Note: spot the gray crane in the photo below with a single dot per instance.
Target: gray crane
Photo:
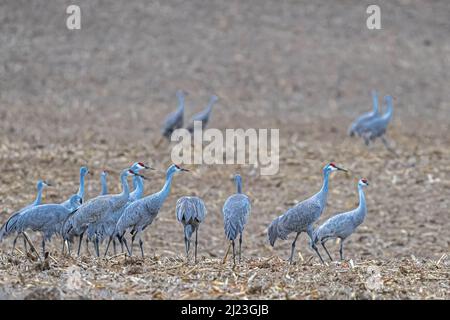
(95, 209)
(236, 212)
(174, 120)
(141, 213)
(190, 211)
(83, 172)
(358, 124)
(204, 115)
(47, 218)
(376, 128)
(302, 216)
(9, 226)
(104, 183)
(344, 224)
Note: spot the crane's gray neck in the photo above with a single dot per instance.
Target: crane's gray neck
(238, 186)
(139, 188)
(125, 188)
(210, 105)
(375, 102)
(361, 210)
(81, 187)
(166, 188)
(323, 193)
(388, 114)
(180, 102)
(104, 185)
(38, 199)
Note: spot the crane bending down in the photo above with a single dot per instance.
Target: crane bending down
(358, 124)
(47, 219)
(191, 212)
(141, 213)
(376, 128)
(343, 225)
(204, 115)
(236, 211)
(95, 209)
(302, 216)
(9, 227)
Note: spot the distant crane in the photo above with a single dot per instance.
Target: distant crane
(175, 119)
(95, 209)
(358, 124)
(303, 215)
(46, 218)
(141, 213)
(343, 225)
(10, 225)
(104, 183)
(191, 212)
(376, 128)
(83, 172)
(204, 115)
(236, 211)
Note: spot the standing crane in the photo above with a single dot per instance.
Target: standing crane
(358, 124)
(236, 211)
(190, 211)
(95, 209)
(303, 215)
(104, 183)
(83, 172)
(344, 224)
(175, 119)
(47, 218)
(141, 213)
(204, 115)
(9, 226)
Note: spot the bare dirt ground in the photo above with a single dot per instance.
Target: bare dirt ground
(97, 97)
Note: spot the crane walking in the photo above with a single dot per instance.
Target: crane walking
(303, 215)
(357, 125)
(204, 115)
(191, 212)
(141, 213)
(236, 211)
(344, 224)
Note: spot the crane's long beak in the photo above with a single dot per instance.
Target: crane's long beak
(183, 169)
(48, 184)
(140, 175)
(341, 169)
(149, 168)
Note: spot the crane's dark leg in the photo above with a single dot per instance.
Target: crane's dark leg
(107, 246)
(97, 248)
(121, 244)
(14, 243)
(132, 242)
(293, 248)
(341, 249)
(310, 233)
(323, 245)
(240, 247)
(388, 147)
(234, 252)
(141, 245)
(63, 247)
(87, 246)
(126, 245)
(79, 243)
(186, 246)
(114, 246)
(195, 254)
(43, 246)
(25, 245)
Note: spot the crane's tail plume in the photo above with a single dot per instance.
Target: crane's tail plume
(272, 232)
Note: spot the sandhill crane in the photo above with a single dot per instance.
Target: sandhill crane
(303, 215)
(190, 211)
(47, 218)
(357, 125)
(83, 172)
(236, 211)
(376, 128)
(174, 120)
(203, 116)
(9, 226)
(141, 213)
(343, 225)
(95, 209)
(104, 183)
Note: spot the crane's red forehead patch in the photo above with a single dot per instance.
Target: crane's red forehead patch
(364, 180)
(177, 166)
(332, 164)
(141, 164)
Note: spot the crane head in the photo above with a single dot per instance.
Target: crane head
(138, 166)
(333, 167)
(84, 171)
(363, 182)
(131, 172)
(178, 168)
